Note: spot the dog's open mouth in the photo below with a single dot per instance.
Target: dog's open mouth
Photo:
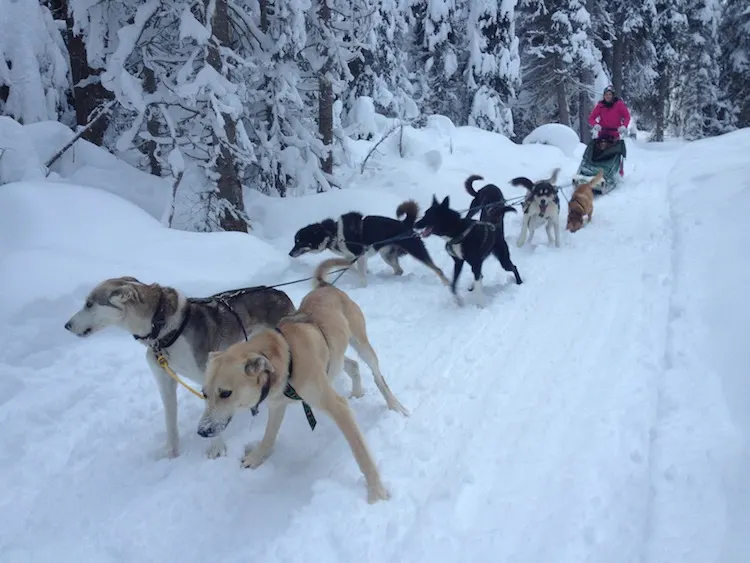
(86, 332)
(427, 231)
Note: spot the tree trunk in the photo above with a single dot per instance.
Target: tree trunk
(92, 95)
(662, 97)
(618, 57)
(152, 124)
(325, 102)
(563, 112)
(229, 186)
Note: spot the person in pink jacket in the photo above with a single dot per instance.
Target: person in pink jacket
(610, 115)
(610, 118)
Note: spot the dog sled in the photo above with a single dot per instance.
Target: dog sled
(606, 154)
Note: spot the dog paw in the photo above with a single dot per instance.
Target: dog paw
(216, 450)
(377, 492)
(254, 458)
(356, 394)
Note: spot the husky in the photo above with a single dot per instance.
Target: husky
(297, 360)
(183, 329)
(540, 207)
(356, 236)
(489, 199)
(468, 241)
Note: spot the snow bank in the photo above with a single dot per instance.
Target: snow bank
(557, 135)
(701, 475)
(86, 164)
(19, 159)
(59, 238)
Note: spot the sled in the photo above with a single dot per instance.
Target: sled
(604, 154)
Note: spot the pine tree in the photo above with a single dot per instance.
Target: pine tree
(440, 36)
(698, 109)
(735, 56)
(557, 45)
(494, 65)
(669, 34)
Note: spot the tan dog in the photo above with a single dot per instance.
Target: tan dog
(582, 203)
(305, 351)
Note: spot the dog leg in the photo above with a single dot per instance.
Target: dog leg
(338, 409)
(481, 301)
(524, 232)
(362, 269)
(351, 367)
(254, 458)
(503, 256)
(458, 265)
(391, 258)
(418, 250)
(553, 226)
(362, 345)
(168, 392)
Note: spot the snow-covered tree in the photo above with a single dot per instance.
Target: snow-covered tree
(735, 56)
(380, 69)
(494, 64)
(34, 72)
(556, 47)
(699, 108)
(440, 35)
(669, 34)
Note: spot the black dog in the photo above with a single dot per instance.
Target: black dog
(489, 199)
(356, 236)
(467, 241)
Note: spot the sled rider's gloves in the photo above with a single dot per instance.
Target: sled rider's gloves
(622, 130)
(596, 130)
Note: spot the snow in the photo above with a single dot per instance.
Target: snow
(557, 135)
(83, 164)
(595, 413)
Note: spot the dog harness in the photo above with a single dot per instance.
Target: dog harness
(456, 241)
(289, 391)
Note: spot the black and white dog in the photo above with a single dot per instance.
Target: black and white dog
(540, 207)
(467, 241)
(355, 235)
(489, 200)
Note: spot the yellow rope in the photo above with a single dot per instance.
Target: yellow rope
(165, 366)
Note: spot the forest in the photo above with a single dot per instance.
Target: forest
(222, 95)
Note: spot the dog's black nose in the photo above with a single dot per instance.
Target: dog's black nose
(205, 432)
(67, 325)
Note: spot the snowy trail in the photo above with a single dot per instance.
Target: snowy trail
(541, 427)
(548, 419)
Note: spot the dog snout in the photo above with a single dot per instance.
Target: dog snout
(68, 326)
(206, 432)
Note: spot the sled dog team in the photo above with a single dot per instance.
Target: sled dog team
(252, 346)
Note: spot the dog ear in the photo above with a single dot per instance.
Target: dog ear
(522, 181)
(446, 202)
(213, 355)
(553, 179)
(434, 200)
(125, 294)
(256, 364)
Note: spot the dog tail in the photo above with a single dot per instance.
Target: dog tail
(468, 184)
(409, 208)
(319, 277)
(522, 181)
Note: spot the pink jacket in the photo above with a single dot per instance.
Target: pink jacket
(610, 118)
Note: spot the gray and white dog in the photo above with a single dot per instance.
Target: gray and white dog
(541, 206)
(184, 329)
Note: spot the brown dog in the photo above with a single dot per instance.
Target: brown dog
(582, 203)
(306, 351)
